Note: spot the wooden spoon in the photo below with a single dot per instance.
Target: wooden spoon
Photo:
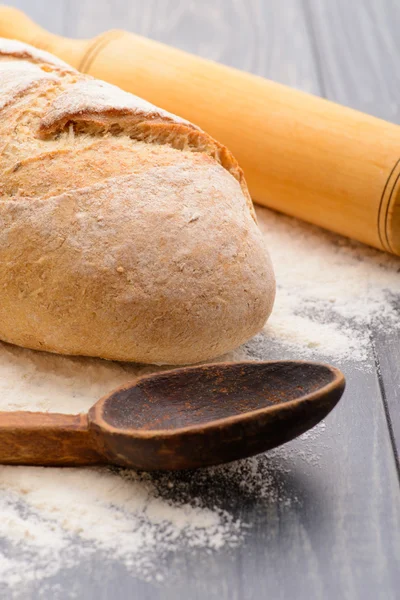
(181, 419)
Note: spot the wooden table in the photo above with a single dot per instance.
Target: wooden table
(342, 538)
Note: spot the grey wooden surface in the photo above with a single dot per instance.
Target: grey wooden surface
(342, 539)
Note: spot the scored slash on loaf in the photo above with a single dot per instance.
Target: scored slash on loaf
(125, 232)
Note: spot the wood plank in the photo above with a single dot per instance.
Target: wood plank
(252, 35)
(387, 351)
(357, 49)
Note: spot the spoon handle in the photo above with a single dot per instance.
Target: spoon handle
(34, 438)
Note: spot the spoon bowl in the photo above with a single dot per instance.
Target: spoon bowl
(211, 414)
(181, 419)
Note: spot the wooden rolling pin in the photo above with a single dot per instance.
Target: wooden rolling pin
(302, 155)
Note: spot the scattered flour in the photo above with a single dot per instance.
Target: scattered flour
(331, 292)
(119, 514)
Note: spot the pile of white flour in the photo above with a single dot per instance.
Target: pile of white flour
(331, 292)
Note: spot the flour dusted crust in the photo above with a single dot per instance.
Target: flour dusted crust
(19, 50)
(16, 79)
(125, 232)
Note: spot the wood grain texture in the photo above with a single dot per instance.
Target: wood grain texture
(329, 526)
(387, 356)
(257, 36)
(34, 438)
(224, 411)
(357, 49)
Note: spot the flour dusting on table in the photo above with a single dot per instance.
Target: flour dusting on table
(331, 291)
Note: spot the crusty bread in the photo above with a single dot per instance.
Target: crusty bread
(125, 231)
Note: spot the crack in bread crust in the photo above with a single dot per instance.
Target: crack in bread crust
(96, 108)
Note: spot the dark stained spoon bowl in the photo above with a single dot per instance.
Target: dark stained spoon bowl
(182, 419)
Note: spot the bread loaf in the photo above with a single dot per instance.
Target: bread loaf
(126, 232)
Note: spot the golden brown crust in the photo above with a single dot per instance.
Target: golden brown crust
(125, 232)
(17, 79)
(99, 107)
(54, 172)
